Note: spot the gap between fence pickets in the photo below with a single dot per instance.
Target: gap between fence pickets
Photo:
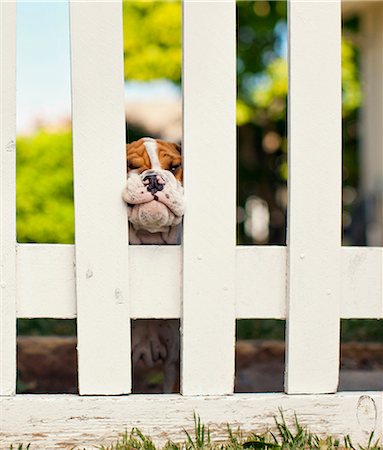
(46, 281)
(61, 421)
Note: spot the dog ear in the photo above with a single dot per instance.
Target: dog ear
(178, 148)
(128, 146)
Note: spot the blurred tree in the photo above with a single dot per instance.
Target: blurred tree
(152, 50)
(262, 76)
(152, 40)
(44, 191)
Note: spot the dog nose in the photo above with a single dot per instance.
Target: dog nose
(153, 183)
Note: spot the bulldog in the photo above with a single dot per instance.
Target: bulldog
(154, 197)
(154, 192)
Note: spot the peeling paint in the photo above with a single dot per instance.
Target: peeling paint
(118, 296)
(89, 273)
(366, 413)
(10, 147)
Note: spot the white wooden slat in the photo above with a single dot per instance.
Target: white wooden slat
(362, 283)
(260, 282)
(100, 214)
(7, 198)
(46, 288)
(314, 225)
(88, 422)
(155, 281)
(209, 94)
(46, 281)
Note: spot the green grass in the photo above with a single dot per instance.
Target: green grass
(296, 437)
(286, 438)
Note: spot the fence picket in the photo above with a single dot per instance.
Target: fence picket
(101, 217)
(208, 321)
(314, 268)
(8, 198)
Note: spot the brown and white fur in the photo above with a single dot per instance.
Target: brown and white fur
(154, 191)
(154, 195)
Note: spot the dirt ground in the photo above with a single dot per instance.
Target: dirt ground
(49, 365)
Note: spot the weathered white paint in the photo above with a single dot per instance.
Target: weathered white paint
(362, 283)
(209, 95)
(46, 282)
(314, 212)
(63, 421)
(155, 281)
(371, 151)
(7, 198)
(260, 282)
(99, 177)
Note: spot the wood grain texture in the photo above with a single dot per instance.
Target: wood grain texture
(101, 234)
(63, 421)
(314, 185)
(209, 94)
(7, 198)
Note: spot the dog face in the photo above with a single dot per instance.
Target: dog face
(154, 191)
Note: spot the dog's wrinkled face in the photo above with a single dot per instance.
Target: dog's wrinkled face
(154, 192)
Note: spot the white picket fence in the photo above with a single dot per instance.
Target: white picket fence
(208, 282)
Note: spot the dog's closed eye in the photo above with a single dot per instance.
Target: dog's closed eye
(175, 167)
(132, 166)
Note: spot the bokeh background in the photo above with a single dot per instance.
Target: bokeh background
(153, 98)
(152, 61)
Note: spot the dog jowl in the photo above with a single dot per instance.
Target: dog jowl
(154, 196)
(154, 192)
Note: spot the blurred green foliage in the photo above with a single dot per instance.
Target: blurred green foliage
(46, 327)
(152, 40)
(44, 191)
(262, 70)
(152, 49)
(261, 329)
(262, 79)
(360, 330)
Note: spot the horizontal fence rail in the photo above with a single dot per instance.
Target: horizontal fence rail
(46, 285)
(76, 421)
